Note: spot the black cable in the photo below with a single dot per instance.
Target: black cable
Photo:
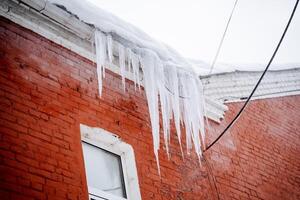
(263, 74)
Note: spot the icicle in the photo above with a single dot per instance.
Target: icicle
(184, 101)
(206, 122)
(201, 112)
(134, 65)
(128, 58)
(148, 62)
(109, 42)
(185, 112)
(174, 101)
(193, 111)
(137, 70)
(179, 92)
(100, 45)
(164, 100)
(122, 64)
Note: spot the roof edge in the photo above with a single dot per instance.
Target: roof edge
(65, 29)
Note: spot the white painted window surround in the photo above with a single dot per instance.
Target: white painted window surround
(110, 142)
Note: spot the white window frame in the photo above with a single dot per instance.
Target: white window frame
(112, 143)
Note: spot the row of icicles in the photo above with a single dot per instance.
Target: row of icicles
(179, 91)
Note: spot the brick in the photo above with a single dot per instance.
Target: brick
(39, 135)
(12, 188)
(23, 182)
(13, 126)
(27, 161)
(40, 172)
(46, 91)
(47, 167)
(15, 164)
(21, 197)
(5, 195)
(7, 154)
(37, 186)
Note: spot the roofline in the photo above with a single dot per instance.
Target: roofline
(246, 71)
(61, 27)
(236, 86)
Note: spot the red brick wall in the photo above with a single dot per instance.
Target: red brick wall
(259, 157)
(46, 91)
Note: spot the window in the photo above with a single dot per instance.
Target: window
(109, 165)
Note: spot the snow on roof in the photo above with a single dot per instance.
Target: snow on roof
(135, 38)
(202, 68)
(130, 35)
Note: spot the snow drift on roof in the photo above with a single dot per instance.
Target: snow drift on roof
(131, 35)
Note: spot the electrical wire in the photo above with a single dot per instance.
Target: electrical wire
(261, 77)
(219, 48)
(222, 39)
(211, 173)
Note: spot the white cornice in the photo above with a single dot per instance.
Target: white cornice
(236, 86)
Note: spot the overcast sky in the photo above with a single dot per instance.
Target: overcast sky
(194, 27)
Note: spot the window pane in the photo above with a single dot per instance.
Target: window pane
(104, 170)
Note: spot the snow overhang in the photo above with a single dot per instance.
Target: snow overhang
(64, 28)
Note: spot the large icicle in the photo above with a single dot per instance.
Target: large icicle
(149, 68)
(100, 45)
(173, 88)
(176, 90)
(180, 95)
(192, 110)
(164, 103)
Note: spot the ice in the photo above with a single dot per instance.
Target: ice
(171, 85)
(174, 99)
(180, 95)
(148, 62)
(100, 45)
(121, 50)
(164, 103)
(136, 69)
(133, 66)
(109, 48)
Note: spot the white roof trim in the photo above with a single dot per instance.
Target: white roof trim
(237, 86)
(65, 29)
